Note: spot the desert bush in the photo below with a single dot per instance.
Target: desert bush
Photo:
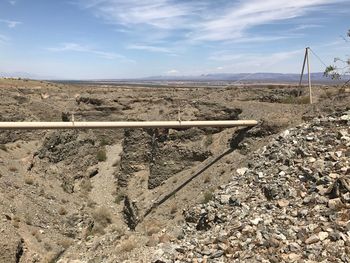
(152, 227)
(13, 169)
(47, 246)
(164, 238)
(119, 197)
(29, 180)
(104, 141)
(208, 140)
(173, 208)
(36, 234)
(65, 243)
(102, 155)
(62, 211)
(15, 224)
(3, 147)
(128, 244)
(207, 179)
(85, 185)
(207, 196)
(28, 219)
(102, 216)
(327, 94)
(295, 100)
(51, 257)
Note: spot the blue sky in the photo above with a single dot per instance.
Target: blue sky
(89, 39)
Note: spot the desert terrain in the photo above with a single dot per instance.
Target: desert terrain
(277, 192)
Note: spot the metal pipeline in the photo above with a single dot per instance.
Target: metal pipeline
(119, 125)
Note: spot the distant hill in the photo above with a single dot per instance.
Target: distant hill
(244, 77)
(225, 77)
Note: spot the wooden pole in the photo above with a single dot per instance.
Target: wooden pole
(302, 70)
(120, 125)
(309, 74)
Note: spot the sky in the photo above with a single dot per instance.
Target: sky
(103, 39)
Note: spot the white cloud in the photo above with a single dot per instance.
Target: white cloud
(10, 23)
(150, 48)
(238, 19)
(12, 2)
(85, 49)
(250, 62)
(202, 20)
(164, 14)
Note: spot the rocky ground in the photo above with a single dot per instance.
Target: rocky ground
(294, 206)
(276, 192)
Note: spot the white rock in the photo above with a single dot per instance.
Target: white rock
(322, 235)
(256, 221)
(242, 171)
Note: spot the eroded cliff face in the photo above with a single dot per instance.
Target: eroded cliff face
(83, 195)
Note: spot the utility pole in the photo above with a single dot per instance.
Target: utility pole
(309, 74)
(306, 60)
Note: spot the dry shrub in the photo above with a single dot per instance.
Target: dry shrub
(173, 208)
(128, 245)
(102, 216)
(36, 234)
(13, 169)
(164, 238)
(28, 219)
(209, 140)
(85, 185)
(101, 155)
(152, 227)
(207, 179)
(65, 243)
(207, 196)
(29, 180)
(295, 100)
(15, 224)
(62, 211)
(3, 147)
(51, 257)
(119, 197)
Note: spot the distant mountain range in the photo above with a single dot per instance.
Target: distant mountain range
(245, 77)
(227, 77)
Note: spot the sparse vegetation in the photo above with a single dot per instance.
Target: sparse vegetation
(62, 211)
(28, 219)
(102, 216)
(340, 67)
(152, 227)
(3, 147)
(128, 245)
(37, 235)
(29, 180)
(65, 243)
(102, 155)
(295, 100)
(85, 185)
(207, 196)
(173, 208)
(119, 197)
(104, 141)
(13, 169)
(207, 179)
(209, 140)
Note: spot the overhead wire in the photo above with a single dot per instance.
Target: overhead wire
(318, 57)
